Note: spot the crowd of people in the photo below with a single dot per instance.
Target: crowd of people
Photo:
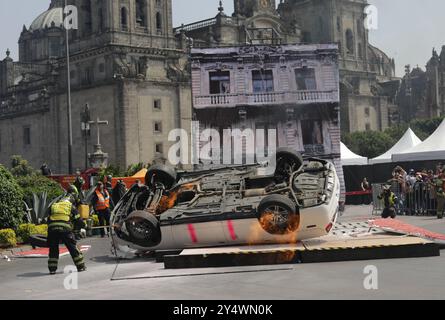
(417, 192)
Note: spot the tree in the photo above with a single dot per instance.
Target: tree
(21, 167)
(11, 197)
(396, 132)
(38, 184)
(424, 128)
(369, 144)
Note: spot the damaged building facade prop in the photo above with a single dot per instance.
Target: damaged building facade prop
(290, 89)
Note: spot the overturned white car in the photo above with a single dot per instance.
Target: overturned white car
(229, 206)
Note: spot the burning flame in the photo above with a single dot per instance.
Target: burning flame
(267, 224)
(169, 201)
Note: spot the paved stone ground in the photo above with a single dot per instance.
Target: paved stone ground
(399, 278)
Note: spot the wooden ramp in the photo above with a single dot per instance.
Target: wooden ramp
(328, 249)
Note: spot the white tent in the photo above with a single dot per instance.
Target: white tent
(349, 158)
(408, 141)
(432, 148)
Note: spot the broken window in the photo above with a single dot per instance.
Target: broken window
(157, 104)
(262, 81)
(159, 148)
(312, 132)
(219, 82)
(305, 78)
(140, 13)
(158, 127)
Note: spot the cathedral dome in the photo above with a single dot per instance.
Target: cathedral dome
(47, 18)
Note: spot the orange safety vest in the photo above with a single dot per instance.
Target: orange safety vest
(102, 202)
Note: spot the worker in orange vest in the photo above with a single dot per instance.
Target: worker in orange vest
(101, 203)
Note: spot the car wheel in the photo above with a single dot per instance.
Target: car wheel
(278, 214)
(144, 229)
(38, 241)
(161, 174)
(287, 162)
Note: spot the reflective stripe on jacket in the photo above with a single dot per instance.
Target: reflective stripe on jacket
(103, 202)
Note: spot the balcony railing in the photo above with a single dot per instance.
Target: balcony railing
(265, 98)
(196, 25)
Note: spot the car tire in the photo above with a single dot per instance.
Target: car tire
(279, 215)
(144, 229)
(38, 241)
(161, 174)
(287, 161)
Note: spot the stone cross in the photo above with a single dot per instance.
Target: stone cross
(97, 123)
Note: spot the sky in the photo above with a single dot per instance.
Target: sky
(407, 29)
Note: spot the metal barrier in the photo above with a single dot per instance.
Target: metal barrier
(418, 199)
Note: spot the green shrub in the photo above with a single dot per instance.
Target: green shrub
(42, 229)
(24, 231)
(7, 238)
(21, 167)
(38, 184)
(95, 219)
(11, 205)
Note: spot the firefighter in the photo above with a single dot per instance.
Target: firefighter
(102, 203)
(60, 229)
(389, 200)
(79, 182)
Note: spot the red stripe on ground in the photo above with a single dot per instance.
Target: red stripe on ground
(231, 230)
(404, 228)
(192, 233)
(44, 252)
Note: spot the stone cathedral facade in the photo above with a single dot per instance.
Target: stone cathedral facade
(132, 67)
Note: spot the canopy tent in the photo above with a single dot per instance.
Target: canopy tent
(408, 141)
(140, 174)
(349, 158)
(432, 148)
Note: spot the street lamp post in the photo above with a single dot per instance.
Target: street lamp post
(86, 130)
(68, 83)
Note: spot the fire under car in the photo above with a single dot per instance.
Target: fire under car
(228, 206)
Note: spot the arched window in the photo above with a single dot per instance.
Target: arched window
(100, 17)
(124, 18)
(349, 42)
(158, 21)
(140, 13)
(88, 14)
